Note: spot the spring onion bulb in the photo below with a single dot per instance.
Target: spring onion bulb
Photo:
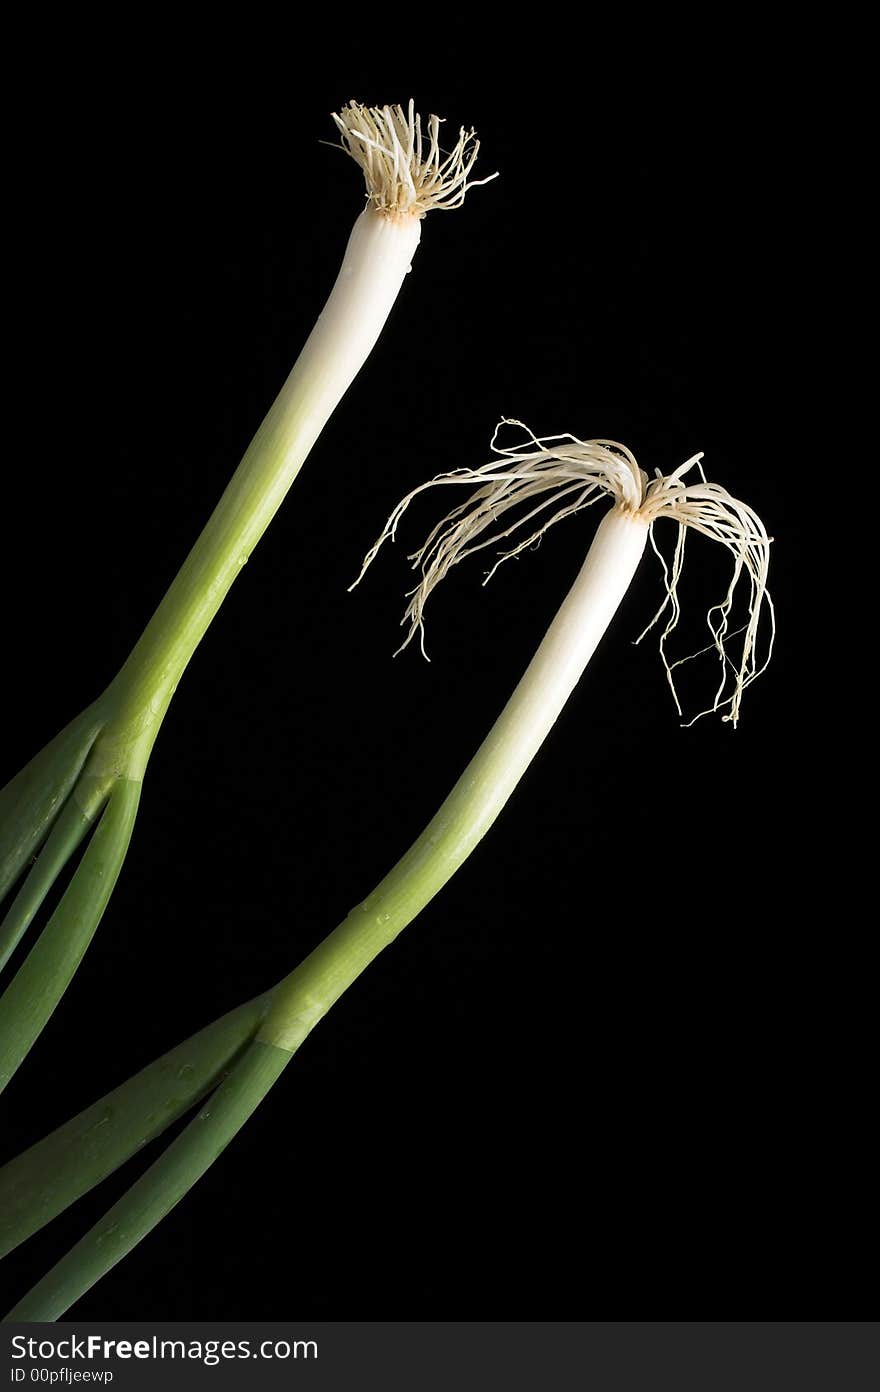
(519, 494)
(88, 780)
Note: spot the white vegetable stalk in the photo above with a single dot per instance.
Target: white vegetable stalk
(406, 176)
(520, 494)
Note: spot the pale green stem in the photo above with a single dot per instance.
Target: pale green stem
(478, 796)
(376, 260)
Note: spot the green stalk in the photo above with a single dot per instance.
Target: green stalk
(45, 1179)
(376, 261)
(43, 977)
(32, 800)
(158, 1190)
(478, 796)
(66, 835)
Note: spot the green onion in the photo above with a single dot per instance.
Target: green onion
(41, 1182)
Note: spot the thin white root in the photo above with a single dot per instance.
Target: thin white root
(573, 473)
(406, 173)
(541, 481)
(710, 509)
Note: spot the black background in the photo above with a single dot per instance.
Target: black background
(608, 1070)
